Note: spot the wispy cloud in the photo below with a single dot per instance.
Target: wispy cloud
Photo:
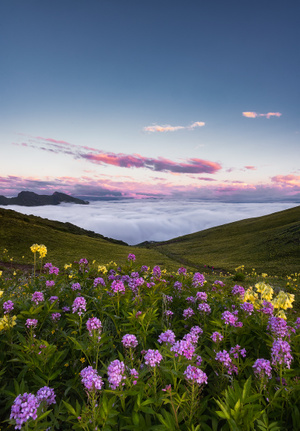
(255, 114)
(287, 180)
(160, 164)
(251, 168)
(168, 128)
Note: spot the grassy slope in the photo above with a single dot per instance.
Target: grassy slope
(66, 242)
(269, 244)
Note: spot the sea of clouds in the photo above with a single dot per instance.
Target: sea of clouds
(135, 221)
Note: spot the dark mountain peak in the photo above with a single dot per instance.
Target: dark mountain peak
(30, 199)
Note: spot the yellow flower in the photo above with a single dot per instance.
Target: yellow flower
(1, 273)
(264, 275)
(42, 251)
(68, 265)
(283, 300)
(7, 322)
(34, 248)
(82, 360)
(102, 268)
(281, 314)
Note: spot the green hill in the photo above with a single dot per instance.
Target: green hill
(269, 244)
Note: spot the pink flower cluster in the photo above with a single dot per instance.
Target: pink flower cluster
(79, 305)
(115, 372)
(37, 297)
(153, 357)
(94, 326)
(91, 380)
(129, 340)
(195, 375)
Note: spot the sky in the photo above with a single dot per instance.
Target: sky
(151, 99)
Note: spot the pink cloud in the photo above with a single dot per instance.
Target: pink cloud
(168, 128)
(255, 114)
(287, 180)
(251, 168)
(190, 166)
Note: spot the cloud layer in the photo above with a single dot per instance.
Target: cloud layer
(135, 221)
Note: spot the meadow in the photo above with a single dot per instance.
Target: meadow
(95, 345)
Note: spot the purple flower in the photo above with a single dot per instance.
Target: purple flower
(46, 395)
(229, 318)
(297, 323)
(238, 290)
(281, 353)
(195, 375)
(31, 323)
(178, 286)
(247, 307)
(55, 316)
(131, 257)
(54, 270)
(198, 279)
(115, 371)
(79, 305)
(156, 271)
(236, 351)
(94, 325)
(37, 297)
(53, 299)
(182, 271)
(167, 337)
(187, 313)
(129, 340)
(216, 337)
(278, 327)
(8, 306)
(66, 309)
(268, 308)
(83, 261)
(191, 299)
(204, 308)
(118, 286)
(76, 286)
(144, 268)
(226, 361)
(91, 380)
(50, 283)
(262, 368)
(201, 296)
(153, 357)
(99, 280)
(24, 407)
(184, 348)
(168, 313)
(218, 282)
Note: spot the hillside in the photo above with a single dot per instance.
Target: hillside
(269, 244)
(65, 242)
(30, 199)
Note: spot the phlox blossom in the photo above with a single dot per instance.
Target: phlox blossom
(195, 375)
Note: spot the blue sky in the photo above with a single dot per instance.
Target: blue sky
(162, 98)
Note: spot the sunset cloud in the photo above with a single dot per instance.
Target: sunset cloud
(255, 114)
(288, 180)
(168, 128)
(160, 164)
(251, 168)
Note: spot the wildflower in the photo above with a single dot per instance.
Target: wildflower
(195, 375)
(131, 257)
(178, 286)
(83, 261)
(42, 251)
(99, 280)
(247, 307)
(268, 308)
(50, 283)
(34, 248)
(236, 351)
(216, 337)
(167, 337)
(198, 279)
(79, 305)
(66, 309)
(144, 268)
(7, 322)
(76, 286)
(184, 348)
(281, 353)
(37, 297)
(201, 296)
(55, 317)
(204, 308)
(229, 318)
(168, 313)
(278, 327)
(284, 300)
(219, 282)
(238, 290)
(153, 357)
(47, 395)
(187, 313)
(265, 290)
(115, 371)
(191, 299)
(94, 326)
(31, 323)
(262, 368)
(297, 323)
(118, 286)
(24, 407)
(181, 271)
(8, 306)
(53, 299)
(226, 361)
(54, 270)
(129, 340)
(91, 380)
(156, 271)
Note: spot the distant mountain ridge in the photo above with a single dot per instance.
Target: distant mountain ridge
(31, 199)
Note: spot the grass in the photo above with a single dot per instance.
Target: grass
(269, 244)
